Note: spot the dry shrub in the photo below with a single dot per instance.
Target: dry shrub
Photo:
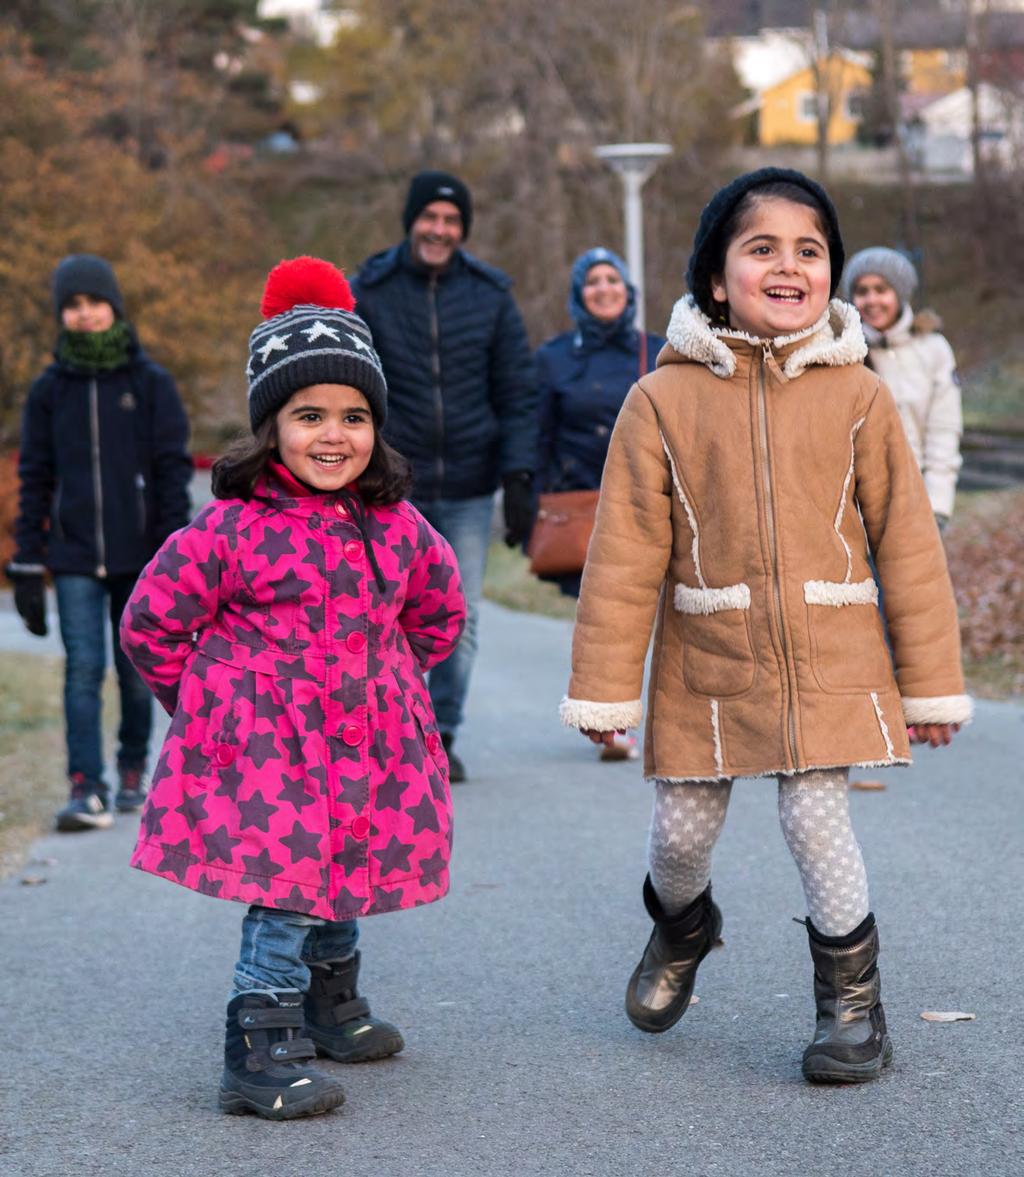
(8, 505)
(985, 549)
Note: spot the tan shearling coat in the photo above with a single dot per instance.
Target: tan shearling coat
(731, 510)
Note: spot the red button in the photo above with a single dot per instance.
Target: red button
(360, 828)
(353, 550)
(356, 643)
(341, 509)
(352, 735)
(433, 743)
(224, 755)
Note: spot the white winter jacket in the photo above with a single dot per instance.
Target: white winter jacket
(918, 365)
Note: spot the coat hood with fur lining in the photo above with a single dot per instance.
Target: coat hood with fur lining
(837, 338)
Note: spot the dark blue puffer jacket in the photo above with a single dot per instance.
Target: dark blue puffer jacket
(582, 388)
(462, 399)
(104, 468)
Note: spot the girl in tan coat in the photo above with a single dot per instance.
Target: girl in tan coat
(747, 479)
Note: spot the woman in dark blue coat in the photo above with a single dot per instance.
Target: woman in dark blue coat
(584, 375)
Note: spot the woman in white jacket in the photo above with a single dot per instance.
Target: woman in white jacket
(916, 363)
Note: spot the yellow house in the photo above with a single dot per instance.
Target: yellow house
(788, 110)
(933, 71)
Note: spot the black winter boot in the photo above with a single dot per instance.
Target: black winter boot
(338, 1020)
(851, 1044)
(660, 988)
(264, 1060)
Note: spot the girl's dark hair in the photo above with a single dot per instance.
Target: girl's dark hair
(733, 224)
(386, 479)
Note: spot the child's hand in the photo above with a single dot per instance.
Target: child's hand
(936, 734)
(606, 738)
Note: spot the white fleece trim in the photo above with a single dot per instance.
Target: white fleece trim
(938, 709)
(657, 778)
(837, 338)
(842, 499)
(705, 601)
(883, 725)
(600, 717)
(716, 731)
(690, 517)
(832, 592)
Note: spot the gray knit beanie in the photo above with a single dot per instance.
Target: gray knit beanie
(894, 267)
(311, 336)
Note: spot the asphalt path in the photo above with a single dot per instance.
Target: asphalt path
(519, 1059)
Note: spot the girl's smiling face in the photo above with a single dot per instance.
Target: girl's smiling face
(878, 303)
(325, 435)
(777, 276)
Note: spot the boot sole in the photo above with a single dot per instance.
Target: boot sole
(823, 1069)
(236, 1103)
(78, 823)
(383, 1047)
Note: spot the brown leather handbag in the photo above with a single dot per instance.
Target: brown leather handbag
(561, 534)
(565, 518)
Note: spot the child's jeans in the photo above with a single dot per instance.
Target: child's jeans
(279, 946)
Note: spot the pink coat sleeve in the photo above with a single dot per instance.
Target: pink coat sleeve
(178, 593)
(435, 608)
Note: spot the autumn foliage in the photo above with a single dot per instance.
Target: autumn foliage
(985, 549)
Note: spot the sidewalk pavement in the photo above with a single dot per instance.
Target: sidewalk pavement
(520, 1060)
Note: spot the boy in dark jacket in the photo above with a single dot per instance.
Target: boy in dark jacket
(104, 473)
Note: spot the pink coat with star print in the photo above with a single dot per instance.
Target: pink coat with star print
(303, 768)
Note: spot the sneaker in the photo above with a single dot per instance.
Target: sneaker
(131, 791)
(88, 807)
(621, 748)
(456, 769)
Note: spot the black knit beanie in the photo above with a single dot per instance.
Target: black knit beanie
(311, 335)
(709, 249)
(426, 187)
(85, 273)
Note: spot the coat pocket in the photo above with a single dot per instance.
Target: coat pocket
(848, 650)
(718, 656)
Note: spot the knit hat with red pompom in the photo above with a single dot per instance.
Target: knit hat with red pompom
(311, 335)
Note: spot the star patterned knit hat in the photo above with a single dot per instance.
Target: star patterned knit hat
(311, 335)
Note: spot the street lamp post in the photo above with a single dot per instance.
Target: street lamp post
(635, 164)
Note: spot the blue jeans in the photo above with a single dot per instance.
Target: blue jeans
(466, 525)
(82, 602)
(279, 946)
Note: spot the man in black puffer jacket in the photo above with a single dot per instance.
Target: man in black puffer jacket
(104, 475)
(462, 399)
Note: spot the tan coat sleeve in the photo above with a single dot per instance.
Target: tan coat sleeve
(917, 594)
(626, 566)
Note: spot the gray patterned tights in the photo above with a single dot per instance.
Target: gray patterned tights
(815, 817)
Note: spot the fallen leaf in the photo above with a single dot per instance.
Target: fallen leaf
(952, 1015)
(694, 999)
(32, 880)
(868, 786)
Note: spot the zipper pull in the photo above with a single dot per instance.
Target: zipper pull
(771, 363)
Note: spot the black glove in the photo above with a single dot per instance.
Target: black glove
(30, 600)
(519, 506)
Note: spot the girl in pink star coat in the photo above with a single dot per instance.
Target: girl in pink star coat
(287, 630)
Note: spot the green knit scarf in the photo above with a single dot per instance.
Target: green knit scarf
(96, 351)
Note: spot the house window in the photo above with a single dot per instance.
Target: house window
(853, 107)
(807, 107)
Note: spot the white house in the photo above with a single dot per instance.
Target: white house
(940, 135)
